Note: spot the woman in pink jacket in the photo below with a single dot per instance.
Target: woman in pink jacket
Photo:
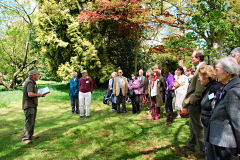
(134, 87)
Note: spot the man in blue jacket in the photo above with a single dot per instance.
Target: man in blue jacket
(73, 93)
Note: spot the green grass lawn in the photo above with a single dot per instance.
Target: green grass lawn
(105, 135)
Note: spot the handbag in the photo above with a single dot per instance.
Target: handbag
(144, 101)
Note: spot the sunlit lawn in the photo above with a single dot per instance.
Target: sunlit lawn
(105, 135)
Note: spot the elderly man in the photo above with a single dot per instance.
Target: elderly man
(141, 77)
(192, 102)
(85, 93)
(73, 93)
(29, 106)
(120, 89)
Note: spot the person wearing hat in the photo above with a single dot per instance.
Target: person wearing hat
(85, 93)
(29, 106)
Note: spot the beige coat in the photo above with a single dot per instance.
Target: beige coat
(116, 86)
(195, 90)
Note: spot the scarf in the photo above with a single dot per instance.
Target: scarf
(154, 79)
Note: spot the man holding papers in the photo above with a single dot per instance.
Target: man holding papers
(29, 106)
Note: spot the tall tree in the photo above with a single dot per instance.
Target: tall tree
(17, 38)
(211, 21)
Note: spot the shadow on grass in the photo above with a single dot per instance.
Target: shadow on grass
(83, 130)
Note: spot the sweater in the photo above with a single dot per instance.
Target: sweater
(85, 85)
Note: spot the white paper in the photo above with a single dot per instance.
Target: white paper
(44, 90)
(211, 96)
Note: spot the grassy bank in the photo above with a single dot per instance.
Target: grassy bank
(105, 135)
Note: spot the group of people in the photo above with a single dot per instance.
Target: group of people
(212, 101)
(211, 95)
(154, 89)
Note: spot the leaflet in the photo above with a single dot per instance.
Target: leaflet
(44, 90)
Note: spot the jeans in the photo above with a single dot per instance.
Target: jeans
(85, 98)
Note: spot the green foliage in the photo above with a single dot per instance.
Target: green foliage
(162, 60)
(16, 61)
(70, 46)
(212, 21)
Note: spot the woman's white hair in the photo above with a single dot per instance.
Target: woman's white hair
(236, 51)
(229, 65)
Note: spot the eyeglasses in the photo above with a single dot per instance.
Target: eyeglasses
(119, 72)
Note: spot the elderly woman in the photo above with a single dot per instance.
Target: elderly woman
(207, 77)
(110, 87)
(224, 126)
(157, 86)
(134, 85)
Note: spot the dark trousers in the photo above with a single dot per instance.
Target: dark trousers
(75, 104)
(149, 102)
(135, 103)
(208, 152)
(196, 128)
(114, 106)
(28, 131)
(140, 101)
(222, 153)
(168, 101)
(121, 99)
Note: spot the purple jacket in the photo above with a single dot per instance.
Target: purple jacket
(169, 81)
(135, 85)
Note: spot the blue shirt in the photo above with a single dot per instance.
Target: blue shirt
(120, 81)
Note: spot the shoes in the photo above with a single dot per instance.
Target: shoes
(87, 116)
(81, 117)
(198, 155)
(178, 117)
(189, 148)
(27, 141)
(34, 137)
